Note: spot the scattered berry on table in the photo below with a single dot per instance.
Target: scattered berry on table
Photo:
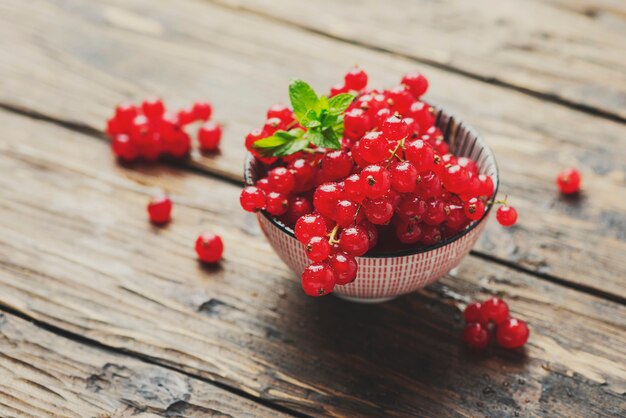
(209, 247)
(568, 181)
(494, 310)
(512, 333)
(160, 209)
(493, 314)
(506, 215)
(209, 136)
(476, 336)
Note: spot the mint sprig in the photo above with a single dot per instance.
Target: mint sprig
(321, 116)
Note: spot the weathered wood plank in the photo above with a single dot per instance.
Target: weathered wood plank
(45, 375)
(76, 251)
(118, 50)
(571, 52)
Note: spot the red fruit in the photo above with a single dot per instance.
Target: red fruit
(411, 208)
(473, 312)
(408, 232)
(160, 209)
(123, 148)
(356, 79)
(495, 310)
(336, 165)
(263, 184)
(272, 125)
(421, 154)
(151, 146)
(209, 136)
(378, 211)
(276, 203)
(512, 333)
(420, 111)
(337, 89)
(281, 180)
(318, 279)
(186, 116)
(568, 181)
(354, 189)
(344, 266)
(476, 336)
(280, 111)
(430, 185)
(373, 148)
(113, 127)
(317, 248)
(298, 207)
(416, 83)
(399, 99)
(304, 174)
(474, 208)
(325, 198)
(376, 181)
(209, 247)
(431, 235)
(435, 213)
(140, 130)
(153, 108)
(381, 116)
(202, 110)
(169, 126)
(124, 115)
(468, 164)
(346, 213)
(178, 145)
(455, 178)
(309, 226)
(354, 240)
(372, 233)
(455, 218)
(486, 187)
(394, 128)
(403, 177)
(506, 215)
(355, 123)
(252, 199)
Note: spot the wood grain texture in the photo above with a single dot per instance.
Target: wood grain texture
(570, 52)
(76, 251)
(45, 375)
(116, 50)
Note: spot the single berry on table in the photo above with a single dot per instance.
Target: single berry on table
(209, 247)
(568, 181)
(209, 136)
(202, 110)
(494, 310)
(476, 336)
(506, 215)
(160, 209)
(512, 333)
(473, 312)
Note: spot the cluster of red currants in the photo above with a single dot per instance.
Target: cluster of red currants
(149, 132)
(393, 177)
(479, 317)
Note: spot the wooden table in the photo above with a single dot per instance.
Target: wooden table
(102, 314)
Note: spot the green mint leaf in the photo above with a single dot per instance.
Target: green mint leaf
(290, 148)
(303, 100)
(339, 103)
(270, 142)
(324, 105)
(313, 124)
(324, 139)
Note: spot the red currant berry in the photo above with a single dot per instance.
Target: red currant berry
(354, 189)
(344, 266)
(378, 211)
(280, 111)
(430, 185)
(336, 165)
(140, 130)
(468, 164)
(263, 184)
(123, 148)
(506, 215)
(373, 148)
(272, 125)
(372, 233)
(399, 100)
(435, 213)
(568, 181)
(209, 247)
(355, 123)
(337, 89)
(455, 178)
(346, 213)
(473, 312)
(113, 127)
(403, 176)
(486, 187)
(476, 336)
(495, 310)
(151, 146)
(408, 232)
(421, 154)
(394, 128)
(281, 180)
(252, 199)
(354, 241)
(209, 136)
(169, 126)
(160, 209)
(512, 333)
(411, 208)
(178, 145)
(431, 235)
(276, 203)
(325, 198)
(422, 114)
(304, 174)
(381, 116)
(298, 206)
(202, 110)
(356, 79)
(309, 226)
(186, 116)
(318, 279)
(317, 249)
(376, 181)
(474, 209)
(153, 108)
(124, 115)
(416, 83)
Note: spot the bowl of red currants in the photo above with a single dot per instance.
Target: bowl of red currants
(368, 194)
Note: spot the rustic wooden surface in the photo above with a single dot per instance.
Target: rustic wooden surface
(118, 307)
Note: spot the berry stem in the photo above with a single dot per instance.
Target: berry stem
(332, 235)
(393, 153)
